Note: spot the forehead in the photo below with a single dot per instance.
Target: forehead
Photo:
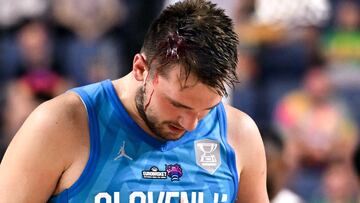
(190, 92)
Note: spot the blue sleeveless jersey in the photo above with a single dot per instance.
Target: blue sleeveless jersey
(127, 165)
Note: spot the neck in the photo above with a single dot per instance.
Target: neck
(126, 88)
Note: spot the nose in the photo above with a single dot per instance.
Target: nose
(189, 121)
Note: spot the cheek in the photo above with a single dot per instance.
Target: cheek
(164, 109)
(203, 114)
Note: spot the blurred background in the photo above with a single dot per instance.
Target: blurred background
(299, 67)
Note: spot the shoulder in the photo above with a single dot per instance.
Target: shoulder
(65, 113)
(243, 135)
(55, 128)
(51, 142)
(239, 121)
(62, 119)
(55, 124)
(241, 127)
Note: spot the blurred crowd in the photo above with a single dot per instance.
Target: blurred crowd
(299, 71)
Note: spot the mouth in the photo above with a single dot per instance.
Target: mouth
(176, 129)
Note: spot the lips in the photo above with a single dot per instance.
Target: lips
(175, 128)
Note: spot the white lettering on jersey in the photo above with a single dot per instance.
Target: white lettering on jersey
(184, 197)
(135, 195)
(103, 195)
(224, 198)
(193, 197)
(161, 197)
(107, 197)
(164, 197)
(170, 195)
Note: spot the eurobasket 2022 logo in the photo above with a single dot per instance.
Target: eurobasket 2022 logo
(173, 171)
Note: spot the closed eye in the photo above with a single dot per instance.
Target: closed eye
(178, 105)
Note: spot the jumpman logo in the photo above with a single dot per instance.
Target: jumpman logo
(122, 153)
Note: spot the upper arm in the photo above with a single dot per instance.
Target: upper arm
(245, 138)
(38, 155)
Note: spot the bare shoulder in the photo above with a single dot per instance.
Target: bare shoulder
(243, 135)
(51, 140)
(241, 127)
(58, 119)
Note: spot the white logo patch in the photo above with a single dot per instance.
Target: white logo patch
(207, 154)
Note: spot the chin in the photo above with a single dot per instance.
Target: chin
(171, 136)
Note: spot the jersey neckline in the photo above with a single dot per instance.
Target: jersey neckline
(133, 126)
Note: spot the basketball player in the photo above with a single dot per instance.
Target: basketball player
(159, 134)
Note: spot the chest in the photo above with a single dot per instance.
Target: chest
(196, 171)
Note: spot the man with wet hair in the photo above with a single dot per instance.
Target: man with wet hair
(158, 134)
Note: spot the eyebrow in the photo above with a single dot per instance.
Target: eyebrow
(178, 104)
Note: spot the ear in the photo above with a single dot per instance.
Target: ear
(140, 68)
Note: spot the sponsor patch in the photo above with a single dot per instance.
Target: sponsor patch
(173, 171)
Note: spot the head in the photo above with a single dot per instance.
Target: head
(338, 183)
(317, 83)
(348, 15)
(188, 57)
(34, 43)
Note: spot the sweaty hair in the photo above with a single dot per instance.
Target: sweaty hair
(199, 37)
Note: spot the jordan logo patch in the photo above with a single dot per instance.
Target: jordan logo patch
(122, 153)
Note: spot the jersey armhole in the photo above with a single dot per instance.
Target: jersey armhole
(231, 160)
(65, 195)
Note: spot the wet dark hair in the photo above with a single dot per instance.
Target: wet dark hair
(199, 37)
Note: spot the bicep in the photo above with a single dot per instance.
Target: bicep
(245, 138)
(252, 181)
(31, 168)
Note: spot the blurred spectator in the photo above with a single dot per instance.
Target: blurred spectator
(87, 50)
(34, 47)
(29, 49)
(12, 12)
(89, 19)
(36, 59)
(36, 81)
(338, 185)
(8, 58)
(317, 128)
(21, 99)
(280, 36)
(292, 13)
(97, 39)
(85, 41)
(246, 93)
(277, 170)
(133, 30)
(23, 95)
(341, 42)
(342, 45)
